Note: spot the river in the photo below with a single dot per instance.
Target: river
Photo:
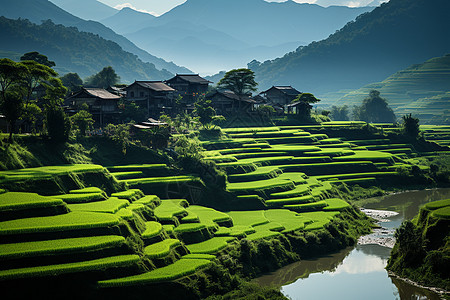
(358, 272)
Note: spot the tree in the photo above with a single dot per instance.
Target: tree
(240, 81)
(205, 112)
(410, 126)
(265, 112)
(39, 58)
(12, 108)
(58, 124)
(374, 109)
(35, 75)
(104, 79)
(339, 113)
(307, 98)
(10, 73)
(72, 82)
(304, 106)
(82, 120)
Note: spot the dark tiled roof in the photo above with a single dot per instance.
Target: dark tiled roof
(192, 78)
(286, 89)
(98, 93)
(233, 96)
(157, 86)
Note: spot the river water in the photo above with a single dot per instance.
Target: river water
(358, 272)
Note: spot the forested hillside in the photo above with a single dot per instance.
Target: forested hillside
(40, 10)
(75, 51)
(390, 38)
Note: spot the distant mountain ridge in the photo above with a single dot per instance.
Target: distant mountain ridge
(212, 35)
(421, 89)
(74, 51)
(39, 10)
(378, 43)
(86, 9)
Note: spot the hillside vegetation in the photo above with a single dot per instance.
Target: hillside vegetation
(377, 44)
(421, 89)
(75, 51)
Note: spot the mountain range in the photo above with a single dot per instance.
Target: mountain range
(212, 35)
(421, 89)
(377, 44)
(73, 51)
(39, 10)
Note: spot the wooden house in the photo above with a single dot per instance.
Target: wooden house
(156, 96)
(189, 86)
(300, 108)
(282, 95)
(227, 103)
(102, 104)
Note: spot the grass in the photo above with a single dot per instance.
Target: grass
(299, 190)
(19, 201)
(210, 246)
(274, 185)
(88, 190)
(52, 247)
(293, 200)
(180, 268)
(248, 218)
(442, 213)
(318, 219)
(128, 175)
(259, 174)
(161, 249)
(137, 167)
(290, 220)
(208, 216)
(152, 229)
(437, 204)
(69, 221)
(167, 210)
(111, 206)
(189, 227)
(81, 198)
(335, 204)
(83, 266)
(132, 194)
(199, 256)
(149, 200)
(307, 206)
(263, 234)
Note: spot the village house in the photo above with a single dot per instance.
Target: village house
(227, 103)
(155, 96)
(189, 86)
(281, 95)
(102, 104)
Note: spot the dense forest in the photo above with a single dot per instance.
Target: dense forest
(75, 51)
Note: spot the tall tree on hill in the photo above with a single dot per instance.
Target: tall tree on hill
(374, 109)
(240, 81)
(104, 79)
(72, 82)
(37, 73)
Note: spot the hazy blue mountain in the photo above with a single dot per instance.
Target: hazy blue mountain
(38, 10)
(212, 35)
(128, 20)
(422, 89)
(379, 43)
(86, 9)
(74, 51)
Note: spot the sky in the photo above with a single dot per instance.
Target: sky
(159, 7)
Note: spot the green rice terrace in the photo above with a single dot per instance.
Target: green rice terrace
(143, 227)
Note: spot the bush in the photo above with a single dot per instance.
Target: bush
(58, 124)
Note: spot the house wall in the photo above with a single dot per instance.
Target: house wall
(275, 96)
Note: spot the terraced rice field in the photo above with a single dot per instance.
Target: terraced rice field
(284, 174)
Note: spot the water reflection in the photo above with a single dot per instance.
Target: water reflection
(356, 273)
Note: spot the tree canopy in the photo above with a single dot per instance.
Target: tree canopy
(39, 58)
(374, 109)
(104, 79)
(240, 81)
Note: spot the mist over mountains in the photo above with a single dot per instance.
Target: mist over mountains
(377, 44)
(209, 36)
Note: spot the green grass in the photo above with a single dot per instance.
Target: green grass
(189, 227)
(83, 266)
(356, 175)
(249, 129)
(274, 185)
(293, 200)
(157, 180)
(69, 221)
(111, 205)
(128, 175)
(290, 220)
(52, 247)
(137, 167)
(19, 201)
(149, 200)
(161, 249)
(132, 194)
(437, 204)
(318, 219)
(210, 246)
(266, 161)
(307, 206)
(208, 216)
(374, 156)
(125, 214)
(442, 213)
(88, 190)
(263, 234)
(248, 218)
(180, 268)
(299, 190)
(81, 198)
(167, 210)
(152, 229)
(259, 174)
(335, 204)
(199, 256)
